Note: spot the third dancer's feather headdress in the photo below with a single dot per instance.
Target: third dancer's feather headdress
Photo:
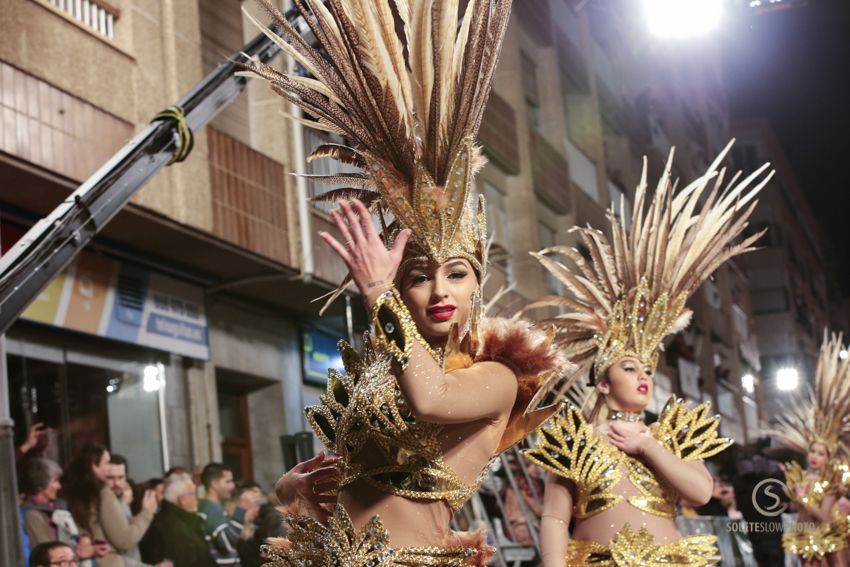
(631, 291)
(824, 417)
(405, 82)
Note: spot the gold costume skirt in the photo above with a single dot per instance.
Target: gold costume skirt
(816, 542)
(632, 549)
(312, 543)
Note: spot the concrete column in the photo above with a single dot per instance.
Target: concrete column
(203, 413)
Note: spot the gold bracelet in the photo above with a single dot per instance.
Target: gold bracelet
(395, 330)
(394, 326)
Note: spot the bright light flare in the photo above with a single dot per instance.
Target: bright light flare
(787, 379)
(748, 381)
(682, 19)
(153, 377)
(842, 354)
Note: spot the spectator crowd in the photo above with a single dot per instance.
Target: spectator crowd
(92, 514)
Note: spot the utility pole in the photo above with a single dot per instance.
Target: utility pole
(11, 552)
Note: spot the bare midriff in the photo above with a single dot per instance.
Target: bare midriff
(467, 449)
(603, 526)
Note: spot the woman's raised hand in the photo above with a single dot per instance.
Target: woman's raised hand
(372, 266)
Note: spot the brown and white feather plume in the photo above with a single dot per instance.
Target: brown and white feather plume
(824, 416)
(631, 291)
(406, 83)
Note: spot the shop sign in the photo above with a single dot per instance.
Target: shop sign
(119, 301)
(320, 355)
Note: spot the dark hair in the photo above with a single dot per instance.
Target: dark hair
(175, 470)
(36, 474)
(40, 556)
(80, 487)
(139, 493)
(119, 460)
(248, 485)
(213, 471)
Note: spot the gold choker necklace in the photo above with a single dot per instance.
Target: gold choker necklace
(617, 415)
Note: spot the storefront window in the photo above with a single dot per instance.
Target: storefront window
(87, 403)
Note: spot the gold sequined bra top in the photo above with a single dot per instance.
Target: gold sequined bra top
(568, 447)
(365, 408)
(813, 491)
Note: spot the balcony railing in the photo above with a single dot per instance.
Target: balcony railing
(498, 133)
(582, 170)
(312, 140)
(96, 15)
(249, 197)
(536, 18)
(550, 172)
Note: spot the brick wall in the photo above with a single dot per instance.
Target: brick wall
(249, 197)
(498, 133)
(50, 128)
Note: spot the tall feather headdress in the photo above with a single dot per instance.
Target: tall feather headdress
(824, 417)
(406, 84)
(631, 291)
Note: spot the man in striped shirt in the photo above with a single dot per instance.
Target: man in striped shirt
(223, 534)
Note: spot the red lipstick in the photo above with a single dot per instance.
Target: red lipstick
(441, 312)
(643, 388)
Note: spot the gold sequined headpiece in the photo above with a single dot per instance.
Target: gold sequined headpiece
(825, 416)
(628, 292)
(405, 83)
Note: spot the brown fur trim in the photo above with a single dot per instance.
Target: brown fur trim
(527, 351)
(476, 540)
(517, 345)
(295, 508)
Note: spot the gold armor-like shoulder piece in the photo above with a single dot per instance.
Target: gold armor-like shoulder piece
(634, 549)
(339, 544)
(690, 434)
(815, 541)
(365, 407)
(829, 482)
(569, 448)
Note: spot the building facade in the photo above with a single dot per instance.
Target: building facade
(178, 337)
(795, 294)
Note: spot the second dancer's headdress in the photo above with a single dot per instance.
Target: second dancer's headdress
(628, 292)
(824, 417)
(406, 85)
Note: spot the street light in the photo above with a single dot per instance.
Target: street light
(787, 379)
(682, 19)
(748, 381)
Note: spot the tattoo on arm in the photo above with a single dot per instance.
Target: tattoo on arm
(370, 285)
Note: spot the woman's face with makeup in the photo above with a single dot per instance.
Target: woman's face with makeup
(627, 385)
(438, 296)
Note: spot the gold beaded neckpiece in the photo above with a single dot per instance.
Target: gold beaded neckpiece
(627, 416)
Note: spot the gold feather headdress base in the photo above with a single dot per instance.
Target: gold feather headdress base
(631, 291)
(406, 84)
(824, 417)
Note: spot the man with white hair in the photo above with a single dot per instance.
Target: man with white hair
(176, 533)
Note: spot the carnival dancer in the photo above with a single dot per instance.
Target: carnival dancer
(438, 391)
(619, 478)
(816, 428)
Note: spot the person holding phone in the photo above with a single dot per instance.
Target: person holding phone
(99, 512)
